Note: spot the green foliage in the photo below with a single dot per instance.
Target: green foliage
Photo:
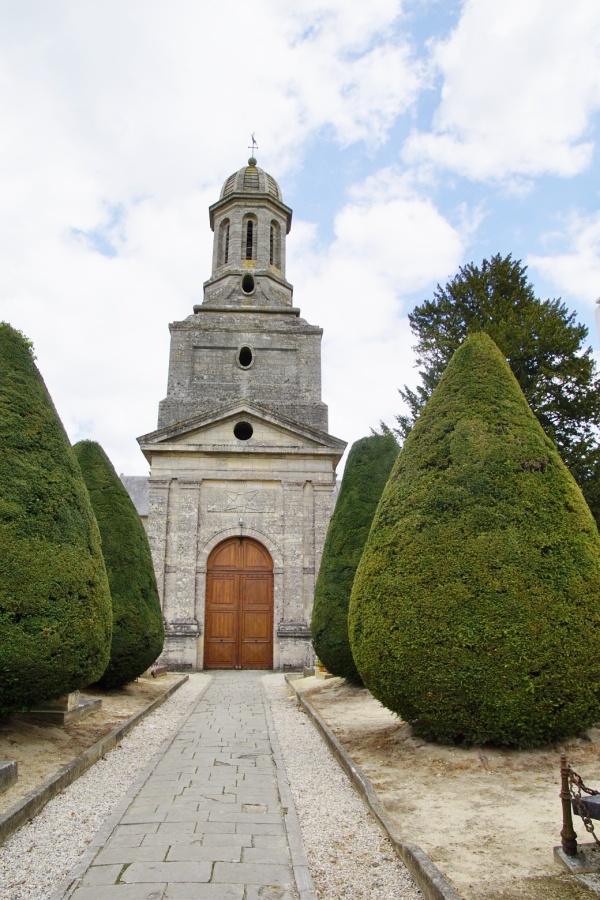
(138, 633)
(544, 348)
(55, 612)
(476, 605)
(26, 341)
(369, 464)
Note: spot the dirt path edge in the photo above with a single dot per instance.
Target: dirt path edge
(431, 881)
(31, 805)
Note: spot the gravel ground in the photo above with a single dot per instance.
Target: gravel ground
(348, 855)
(36, 859)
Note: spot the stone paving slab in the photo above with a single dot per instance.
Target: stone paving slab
(124, 892)
(214, 818)
(207, 892)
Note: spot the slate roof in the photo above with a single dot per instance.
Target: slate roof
(137, 488)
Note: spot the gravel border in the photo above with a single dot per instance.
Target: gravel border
(302, 874)
(35, 860)
(33, 803)
(431, 880)
(348, 855)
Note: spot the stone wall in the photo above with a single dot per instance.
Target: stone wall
(196, 502)
(205, 373)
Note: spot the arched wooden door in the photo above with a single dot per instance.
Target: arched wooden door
(238, 630)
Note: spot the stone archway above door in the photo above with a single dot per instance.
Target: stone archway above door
(239, 606)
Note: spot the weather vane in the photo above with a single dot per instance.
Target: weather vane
(254, 145)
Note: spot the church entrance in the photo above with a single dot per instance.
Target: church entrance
(239, 606)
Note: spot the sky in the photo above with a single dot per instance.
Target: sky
(410, 137)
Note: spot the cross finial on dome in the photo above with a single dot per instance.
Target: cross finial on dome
(253, 146)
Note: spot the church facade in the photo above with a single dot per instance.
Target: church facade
(242, 465)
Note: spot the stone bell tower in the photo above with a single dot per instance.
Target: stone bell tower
(242, 466)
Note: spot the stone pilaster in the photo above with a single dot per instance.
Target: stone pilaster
(293, 538)
(323, 500)
(158, 501)
(170, 610)
(308, 554)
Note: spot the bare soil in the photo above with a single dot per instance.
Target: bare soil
(41, 750)
(489, 818)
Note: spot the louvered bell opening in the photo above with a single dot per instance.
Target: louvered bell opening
(249, 240)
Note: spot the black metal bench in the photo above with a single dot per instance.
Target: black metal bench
(576, 798)
(589, 806)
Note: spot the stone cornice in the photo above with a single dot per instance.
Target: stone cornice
(250, 199)
(323, 440)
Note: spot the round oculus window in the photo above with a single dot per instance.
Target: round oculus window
(248, 284)
(245, 357)
(243, 431)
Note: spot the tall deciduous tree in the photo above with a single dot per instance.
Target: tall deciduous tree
(55, 609)
(476, 603)
(368, 467)
(543, 345)
(138, 632)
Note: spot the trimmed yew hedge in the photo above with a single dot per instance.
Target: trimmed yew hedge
(55, 610)
(367, 469)
(138, 633)
(476, 606)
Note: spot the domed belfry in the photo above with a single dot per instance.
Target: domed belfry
(242, 466)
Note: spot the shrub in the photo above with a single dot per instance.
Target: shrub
(368, 467)
(476, 604)
(55, 612)
(138, 633)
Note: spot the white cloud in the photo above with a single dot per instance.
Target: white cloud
(140, 96)
(120, 123)
(389, 243)
(575, 273)
(521, 80)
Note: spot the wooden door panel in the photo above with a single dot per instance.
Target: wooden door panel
(221, 655)
(256, 626)
(222, 590)
(254, 556)
(225, 556)
(257, 621)
(223, 625)
(239, 607)
(257, 656)
(221, 628)
(257, 591)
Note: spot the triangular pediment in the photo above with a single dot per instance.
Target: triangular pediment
(244, 427)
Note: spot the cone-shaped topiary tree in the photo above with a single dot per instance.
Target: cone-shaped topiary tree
(367, 469)
(55, 610)
(138, 633)
(475, 607)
